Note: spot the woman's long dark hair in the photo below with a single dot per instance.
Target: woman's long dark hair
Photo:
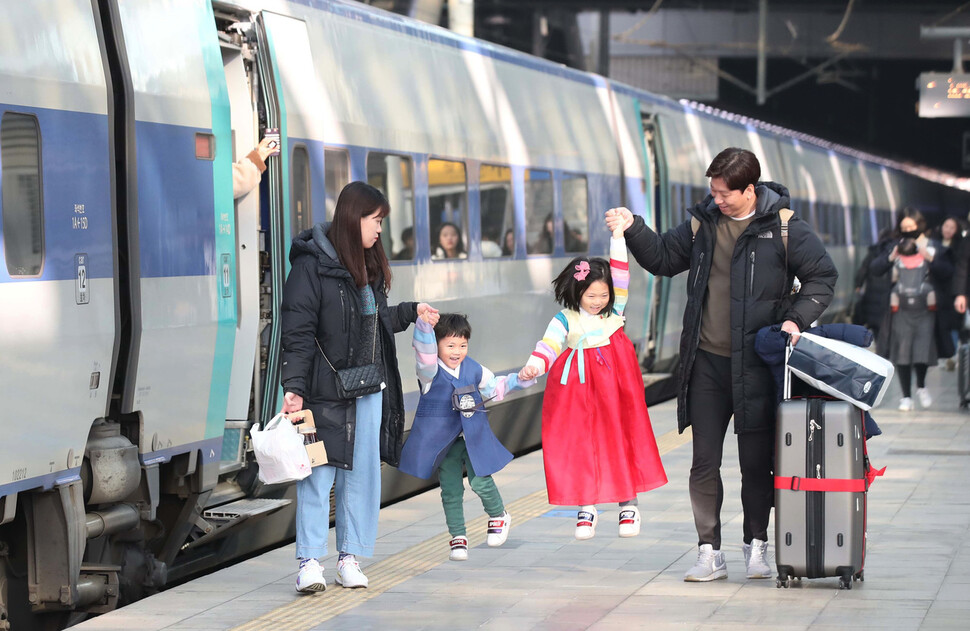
(356, 201)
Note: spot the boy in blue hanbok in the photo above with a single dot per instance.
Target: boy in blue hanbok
(451, 429)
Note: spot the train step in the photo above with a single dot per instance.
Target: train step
(246, 509)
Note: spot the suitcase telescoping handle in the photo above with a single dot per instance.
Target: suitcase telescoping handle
(786, 381)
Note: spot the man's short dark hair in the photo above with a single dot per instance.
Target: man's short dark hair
(737, 167)
(452, 325)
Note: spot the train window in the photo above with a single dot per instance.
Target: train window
(392, 174)
(336, 163)
(539, 225)
(575, 213)
(22, 203)
(300, 216)
(448, 209)
(498, 220)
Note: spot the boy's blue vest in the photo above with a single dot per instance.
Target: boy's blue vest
(437, 424)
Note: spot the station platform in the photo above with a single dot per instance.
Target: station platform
(917, 564)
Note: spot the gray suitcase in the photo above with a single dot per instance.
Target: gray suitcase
(820, 484)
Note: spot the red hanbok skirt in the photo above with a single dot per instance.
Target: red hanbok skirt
(597, 442)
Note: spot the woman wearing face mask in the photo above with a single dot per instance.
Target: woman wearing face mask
(913, 304)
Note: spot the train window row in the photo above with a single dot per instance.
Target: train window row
(448, 205)
(22, 202)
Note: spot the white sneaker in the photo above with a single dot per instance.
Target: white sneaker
(906, 404)
(629, 521)
(925, 400)
(349, 574)
(710, 565)
(756, 558)
(459, 549)
(586, 520)
(310, 579)
(498, 529)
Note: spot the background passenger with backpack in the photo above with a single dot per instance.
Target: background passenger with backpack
(912, 303)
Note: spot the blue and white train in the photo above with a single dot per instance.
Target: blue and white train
(139, 302)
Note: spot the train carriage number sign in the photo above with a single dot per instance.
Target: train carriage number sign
(944, 95)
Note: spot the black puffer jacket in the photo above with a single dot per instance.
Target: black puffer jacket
(760, 291)
(321, 302)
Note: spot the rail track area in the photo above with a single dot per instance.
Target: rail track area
(917, 567)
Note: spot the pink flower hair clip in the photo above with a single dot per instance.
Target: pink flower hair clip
(583, 270)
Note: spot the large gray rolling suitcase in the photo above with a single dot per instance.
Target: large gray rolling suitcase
(820, 498)
(822, 473)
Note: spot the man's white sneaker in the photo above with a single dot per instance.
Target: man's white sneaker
(925, 400)
(349, 574)
(906, 404)
(310, 579)
(586, 523)
(756, 558)
(498, 529)
(459, 549)
(710, 565)
(629, 521)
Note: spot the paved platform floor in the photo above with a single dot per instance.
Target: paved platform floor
(917, 565)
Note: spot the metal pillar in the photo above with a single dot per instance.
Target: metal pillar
(957, 33)
(762, 50)
(603, 61)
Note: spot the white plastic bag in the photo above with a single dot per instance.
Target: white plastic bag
(280, 452)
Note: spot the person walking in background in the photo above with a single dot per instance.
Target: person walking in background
(872, 306)
(450, 433)
(598, 444)
(334, 310)
(912, 303)
(946, 239)
(741, 264)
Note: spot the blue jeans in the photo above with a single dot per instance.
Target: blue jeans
(357, 493)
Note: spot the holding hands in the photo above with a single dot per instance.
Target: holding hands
(618, 220)
(528, 373)
(428, 313)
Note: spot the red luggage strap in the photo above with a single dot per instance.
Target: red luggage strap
(796, 483)
(838, 485)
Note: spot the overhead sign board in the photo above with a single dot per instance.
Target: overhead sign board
(943, 95)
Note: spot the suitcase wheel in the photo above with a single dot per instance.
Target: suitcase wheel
(783, 582)
(860, 576)
(845, 582)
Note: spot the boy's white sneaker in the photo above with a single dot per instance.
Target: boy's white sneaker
(586, 523)
(459, 548)
(310, 579)
(629, 521)
(498, 529)
(756, 558)
(710, 565)
(349, 574)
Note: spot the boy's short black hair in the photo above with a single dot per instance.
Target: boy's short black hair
(569, 289)
(452, 325)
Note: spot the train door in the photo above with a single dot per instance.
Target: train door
(657, 200)
(237, 41)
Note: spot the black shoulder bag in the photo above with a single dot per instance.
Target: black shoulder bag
(357, 381)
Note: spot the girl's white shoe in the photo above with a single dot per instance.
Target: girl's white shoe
(586, 522)
(629, 521)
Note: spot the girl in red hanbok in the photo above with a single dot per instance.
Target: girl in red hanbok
(598, 444)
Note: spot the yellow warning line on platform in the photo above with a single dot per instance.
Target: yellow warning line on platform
(309, 611)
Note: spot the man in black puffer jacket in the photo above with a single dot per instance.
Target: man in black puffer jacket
(740, 278)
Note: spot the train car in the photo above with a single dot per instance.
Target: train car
(139, 318)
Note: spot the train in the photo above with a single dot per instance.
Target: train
(139, 318)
